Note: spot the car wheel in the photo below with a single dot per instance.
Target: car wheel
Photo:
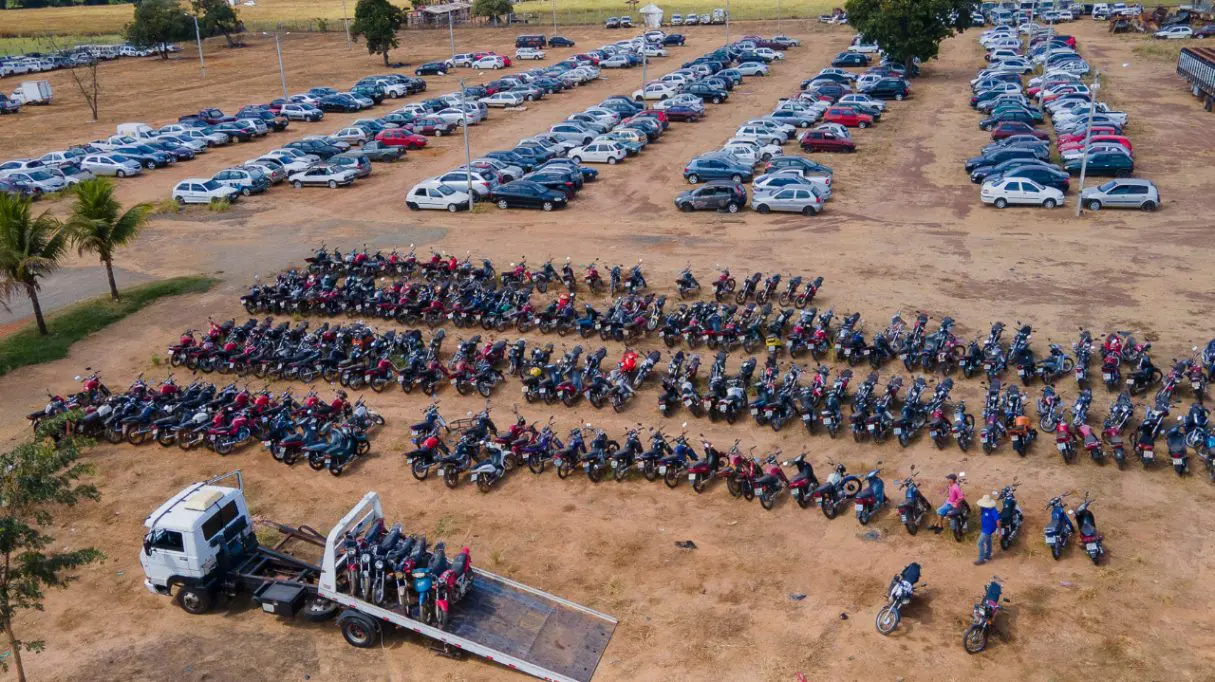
(149, 165)
(809, 211)
(763, 208)
(297, 184)
(717, 100)
(502, 203)
(452, 208)
(1148, 206)
(732, 207)
(736, 178)
(181, 201)
(899, 97)
(693, 179)
(1001, 203)
(120, 173)
(333, 184)
(612, 161)
(438, 132)
(547, 206)
(1049, 203)
(245, 191)
(576, 159)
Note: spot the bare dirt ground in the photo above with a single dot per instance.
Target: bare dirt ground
(905, 231)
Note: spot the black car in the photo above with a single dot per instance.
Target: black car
(1000, 156)
(850, 59)
(340, 103)
(554, 180)
(179, 152)
(413, 85)
(1041, 174)
(706, 92)
(146, 156)
(432, 69)
(889, 88)
(276, 123)
(526, 163)
(985, 172)
(800, 162)
(560, 41)
(673, 39)
(715, 196)
(527, 194)
(320, 149)
(1114, 164)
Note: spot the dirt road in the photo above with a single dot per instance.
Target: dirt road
(905, 231)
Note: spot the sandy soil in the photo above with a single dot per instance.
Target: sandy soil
(905, 231)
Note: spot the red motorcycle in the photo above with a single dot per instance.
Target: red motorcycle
(224, 438)
(593, 279)
(724, 285)
(746, 469)
(93, 391)
(1064, 442)
(1091, 442)
(1113, 436)
(708, 468)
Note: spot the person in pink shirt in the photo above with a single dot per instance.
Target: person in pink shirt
(955, 501)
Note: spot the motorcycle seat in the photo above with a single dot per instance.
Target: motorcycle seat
(1088, 530)
(824, 489)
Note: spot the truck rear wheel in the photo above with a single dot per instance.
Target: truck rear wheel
(194, 600)
(359, 630)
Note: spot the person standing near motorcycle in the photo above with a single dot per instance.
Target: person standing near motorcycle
(954, 501)
(989, 523)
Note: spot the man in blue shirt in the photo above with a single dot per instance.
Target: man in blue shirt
(989, 520)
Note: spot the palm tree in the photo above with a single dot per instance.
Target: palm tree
(96, 227)
(30, 249)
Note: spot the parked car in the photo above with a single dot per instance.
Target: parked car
(797, 198)
(1174, 33)
(74, 174)
(430, 125)
(113, 164)
(846, 59)
(274, 171)
(301, 112)
(202, 191)
(1109, 163)
(718, 195)
(807, 167)
(482, 182)
(527, 194)
(847, 116)
(599, 152)
(1020, 191)
(529, 53)
(352, 135)
(709, 168)
(889, 88)
(1122, 193)
(353, 160)
(317, 148)
(491, 61)
(503, 99)
(327, 175)
(246, 180)
(826, 141)
(432, 69)
(752, 68)
(560, 41)
(436, 196)
(375, 150)
(1047, 176)
(39, 181)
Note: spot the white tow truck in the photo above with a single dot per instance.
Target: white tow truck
(200, 546)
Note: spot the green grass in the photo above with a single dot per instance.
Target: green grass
(1166, 50)
(26, 347)
(24, 44)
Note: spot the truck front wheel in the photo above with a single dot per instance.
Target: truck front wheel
(194, 600)
(359, 630)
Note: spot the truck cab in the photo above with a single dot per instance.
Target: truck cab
(193, 538)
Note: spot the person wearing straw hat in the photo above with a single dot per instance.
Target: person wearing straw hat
(989, 522)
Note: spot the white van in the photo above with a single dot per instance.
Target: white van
(139, 131)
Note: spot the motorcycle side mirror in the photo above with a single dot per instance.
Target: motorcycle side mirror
(77, 377)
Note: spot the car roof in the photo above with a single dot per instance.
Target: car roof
(1140, 182)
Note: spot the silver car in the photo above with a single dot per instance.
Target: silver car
(1122, 193)
(39, 181)
(111, 164)
(801, 199)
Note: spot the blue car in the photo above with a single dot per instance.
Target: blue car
(705, 168)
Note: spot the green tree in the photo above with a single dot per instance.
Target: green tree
(491, 8)
(377, 21)
(30, 249)
(909, 29)
(158, 23)
(217, 17)
(96, 226)
(34, 478)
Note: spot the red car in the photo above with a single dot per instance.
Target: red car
(1079, 137)
(847, 116)
(583, 57)
(400, 137)
(658, 114)
(429, 125)
(1009, 128)
(478, 55)
(826, 141)
(1073, 145)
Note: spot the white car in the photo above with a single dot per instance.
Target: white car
(57, 159)
(457, 116)
(298, 111)
(604, 116)
(491, 61)
(436, 196)
(1021, 191)
(42, 180)
(19, 166)
(752, 69)
(616, 61)
(529, 53)
(482, 182)
(655, 91)
(196, 145)
(290, 155)
(203, 191)
(465, 59)
(761, 152)
(653, 51)
(502, 99)
(213, 139)
(288, 163)
(598, 152)
(111, 164)
(758, 134)
(859, 98)
(865, 48)
(329, 176)
(1174, 33)
(769, 53)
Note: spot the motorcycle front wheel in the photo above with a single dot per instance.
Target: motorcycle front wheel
(451, 477)
(671, 477)
(419, 469)
(887, 619)
(974, 639)
(484, 484)
(563, 470)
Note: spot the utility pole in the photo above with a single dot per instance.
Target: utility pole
(451, 33)
(282, 74)
(554, 17)
(202, 63)
(777, 15)
(727, 22)
(467, 150)
(1088, 137)
(346, 23)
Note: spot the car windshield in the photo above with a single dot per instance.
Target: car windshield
(39, 175)
(211, 185)
(119, 158)
(1108, 186)
(444, 190)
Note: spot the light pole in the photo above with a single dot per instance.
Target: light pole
(1088, 137)
(777, 15)
(451, 33)
(282, 74)
(554, 17)
(346, 23)
(467, 150)
(727, 22)
(202, 63)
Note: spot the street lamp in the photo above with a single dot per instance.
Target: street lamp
(346, 23)
(202, 64)
(1088, 136)
(467, 149)
(451, 33)
(282, 75)
(554, 17)
(727, 22)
